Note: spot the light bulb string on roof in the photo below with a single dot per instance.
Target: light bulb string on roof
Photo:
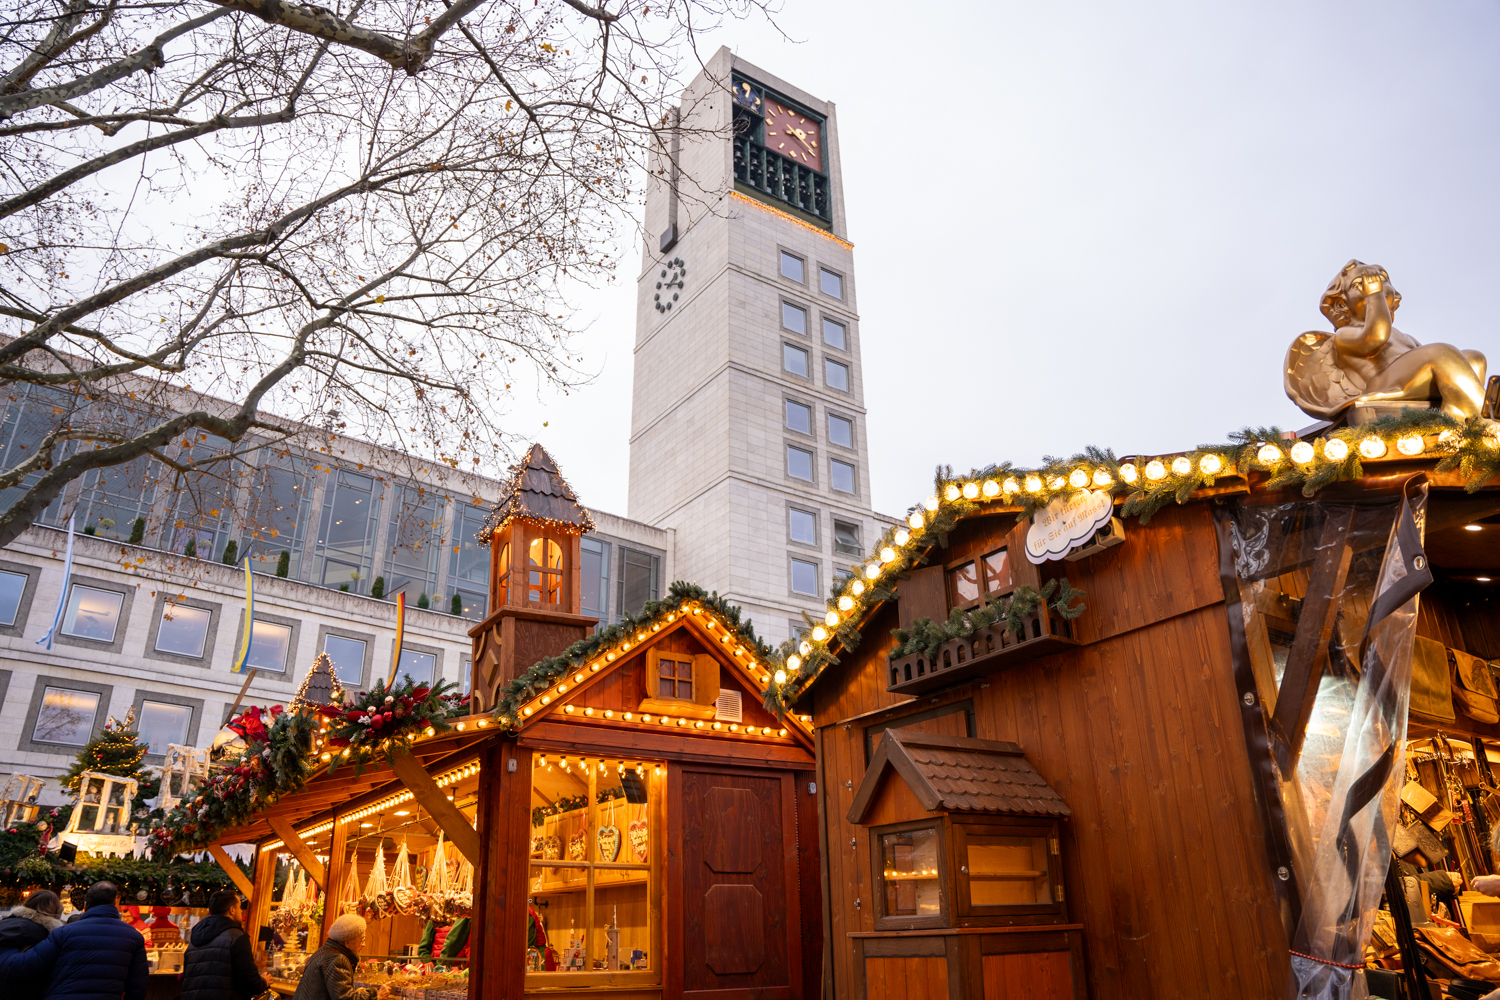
(1142, 486)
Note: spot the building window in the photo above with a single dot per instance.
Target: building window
(66, 717)
(831, 283)
(798, 418)
(841, 430)
(12, 589)
(466, 678)
(997, 574)
(804, 577)
(799, 463)
(415, 537)
(594, 574)
(278, 513)
(545, 565)
(92, 613)
(270, 645)
(799, 628)
(794, 360)
(963, 580)
(348, 656)
(674, 679)
(419, 666)
(803, 526)
(114, 497)
(835, 334)
(836, 374)
(640, 582)
(469, 569)
(791, 266)
(346, 540)
(846, 539)
(161, 724)
(841, 476)
(794, 318)
(183, 630)
(200, 510)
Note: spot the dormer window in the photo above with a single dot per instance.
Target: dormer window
(675, 679)
(972, 579)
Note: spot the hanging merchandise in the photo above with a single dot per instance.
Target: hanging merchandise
(403, 894)
(293, 903)
(376, 902)
(609, 837)
(433, 902)
(578, 846)
(637, 833)
(349, 894)
(463, 891)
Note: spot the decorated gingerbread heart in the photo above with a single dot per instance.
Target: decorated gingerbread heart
(609, 843)
(637, 834)
(578, 847)
(551, 848)
(536, 847)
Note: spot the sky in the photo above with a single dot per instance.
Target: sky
(1103, 224)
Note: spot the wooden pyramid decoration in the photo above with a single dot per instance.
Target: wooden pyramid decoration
(538, 492)
(320, 687)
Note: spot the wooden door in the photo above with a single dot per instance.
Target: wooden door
(737, 925)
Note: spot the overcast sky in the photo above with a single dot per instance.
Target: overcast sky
(1103, 223)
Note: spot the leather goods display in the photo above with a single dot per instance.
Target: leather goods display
(1474, 687)
(1431, 685)
(1458, 953)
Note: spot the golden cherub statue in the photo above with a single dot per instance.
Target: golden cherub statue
(1366, 360)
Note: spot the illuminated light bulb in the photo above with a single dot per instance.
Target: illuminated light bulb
(819, 633)
(794, 661)
(931, 503)
(1372, 447)
(568, 709)
(1335, 450)
(595, 665)
(1056, 482)
(602, 768)
(1411, 445)
(1181, 465)
(657, 772)
(577, 678)
(807, 718)
(971, 490)
(460, 727)
(872, 571)
(1011, 486)
(327, 756)
(588, 711)
(1078, 478)
(610, 656)
(1269, 454)
(1102, 478)
(915, 520)
(781, 674)
(1155, 470)
(766, 731)
(624, 646)
(1302, 453)
(562, 689)
(857, 587)
(991, 488)
(546, 698)
(609, 713)
(887, 554)
(902, 536)
(698, 724)
(682, 722)
(845, 603)
(718, 726)
(1210, 464)
(1128, 473)
(832, 618)
(486, 722)
(804, 647)
(1033, 483)
(541, 759)
(952, 492)
(656, 627)
(733, 728)
(646, 718)
(1445, 437)
(781, 732)
(627, 716)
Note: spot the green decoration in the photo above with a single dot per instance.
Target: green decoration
(191, 550)
(457, 605)
(138, 531)
(284, 564)
(231, 553)
(423, 601)
(377, 589)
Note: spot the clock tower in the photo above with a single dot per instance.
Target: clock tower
(748, 417)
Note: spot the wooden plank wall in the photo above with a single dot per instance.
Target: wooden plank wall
(1139, 731)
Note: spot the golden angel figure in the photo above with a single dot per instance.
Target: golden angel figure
(1367, 360)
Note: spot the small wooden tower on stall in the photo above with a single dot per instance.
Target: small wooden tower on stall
(533, 532)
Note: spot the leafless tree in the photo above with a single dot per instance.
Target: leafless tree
(241, 221)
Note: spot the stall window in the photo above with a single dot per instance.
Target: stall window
(1004, 869)
(997, 574)
(503, 584)
(963, 581)
(674, 678)
(911, 873)
(594, 834)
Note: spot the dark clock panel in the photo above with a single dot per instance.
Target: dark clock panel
(778, 149)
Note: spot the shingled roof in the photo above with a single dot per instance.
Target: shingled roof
(537, 491)
(957, 774)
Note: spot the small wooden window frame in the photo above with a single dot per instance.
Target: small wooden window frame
(963, 827)
(944, 916)
(984, 595)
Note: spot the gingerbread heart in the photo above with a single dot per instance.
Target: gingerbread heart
(536, 847)
(637, 833)
(551, 848)
(578, 847)
(609, 843)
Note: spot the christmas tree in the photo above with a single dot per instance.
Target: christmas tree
(116, 750)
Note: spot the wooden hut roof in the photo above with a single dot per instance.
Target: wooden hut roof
(537, 491)
(958, 774)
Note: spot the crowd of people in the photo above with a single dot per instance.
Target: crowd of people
(96, 955)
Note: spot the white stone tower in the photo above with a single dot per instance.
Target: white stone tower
(748, 418)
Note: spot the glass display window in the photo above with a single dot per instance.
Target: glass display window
(593, 878)
(910, 871)
(1005, 869)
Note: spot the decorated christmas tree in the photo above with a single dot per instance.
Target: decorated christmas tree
(116, 750)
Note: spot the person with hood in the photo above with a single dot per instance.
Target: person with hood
(98, 957)
(220, 963)
(26, 925)
(329, 973)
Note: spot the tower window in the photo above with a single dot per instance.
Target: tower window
(831, 283)
(841, 430)
(545, 557)
(802, 526)
(794, 318)
(791, 266)
(841, 476)
(799, 463)
(836, 374)
(798, 417)
(835, 334)
(794, 360)
(804, 577)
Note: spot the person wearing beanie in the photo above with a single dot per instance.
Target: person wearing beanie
(329, 973)
(26, 925)
(220, 962)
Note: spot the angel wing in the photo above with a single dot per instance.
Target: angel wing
(1315, 382)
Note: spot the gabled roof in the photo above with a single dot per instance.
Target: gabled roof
(958, 774)
(537, 491)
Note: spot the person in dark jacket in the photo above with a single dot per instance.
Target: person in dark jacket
(98, 957)
(220, 961)
(329, 973)
(24, 926)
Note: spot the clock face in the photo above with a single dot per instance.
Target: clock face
(793, 135)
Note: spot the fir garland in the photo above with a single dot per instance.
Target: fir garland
(385, 721)
(1011, 613)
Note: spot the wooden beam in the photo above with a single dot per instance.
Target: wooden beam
(430, 797)
(232, 870)
(304, 855)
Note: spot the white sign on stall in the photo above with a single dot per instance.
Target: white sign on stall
(1066, 523)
